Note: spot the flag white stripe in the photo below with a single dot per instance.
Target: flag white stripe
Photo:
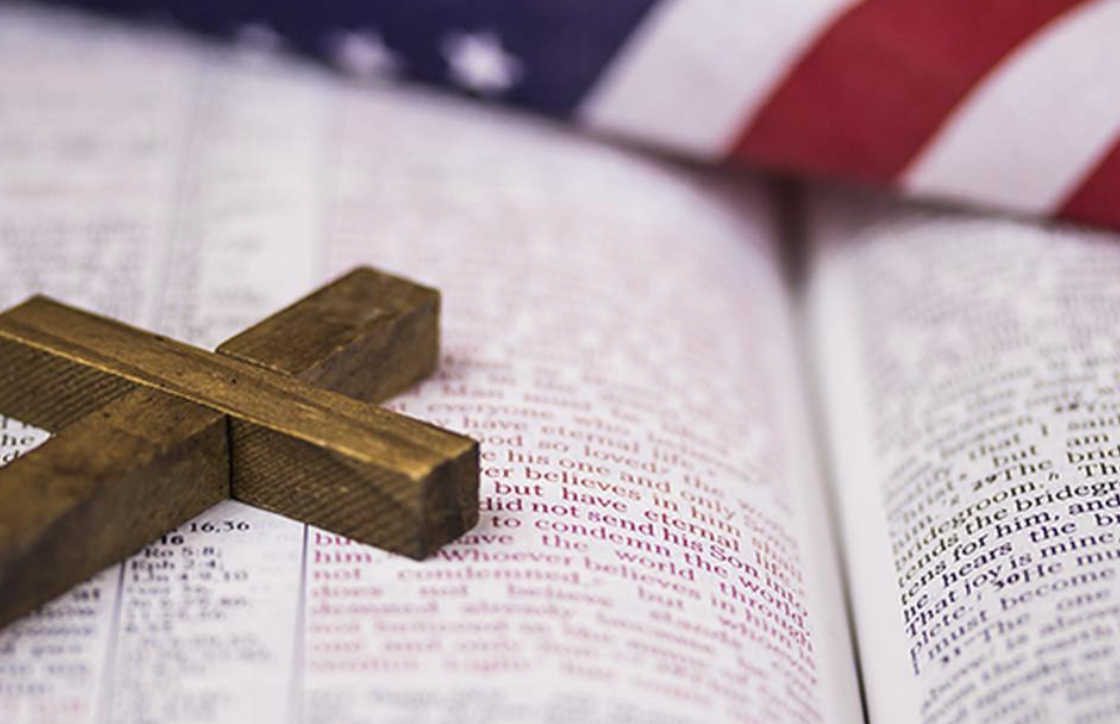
(1026, 136)
(695, 70)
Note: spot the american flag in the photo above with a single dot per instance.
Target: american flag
(1011, 104)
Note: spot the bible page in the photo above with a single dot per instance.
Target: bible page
(970, 368)
(617, 335)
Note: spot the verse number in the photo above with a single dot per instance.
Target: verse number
(218, 526)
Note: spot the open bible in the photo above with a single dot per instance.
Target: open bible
(751, 452)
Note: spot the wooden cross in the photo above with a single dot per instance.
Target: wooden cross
(152, 432)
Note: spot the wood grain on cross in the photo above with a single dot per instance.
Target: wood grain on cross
(151, 432)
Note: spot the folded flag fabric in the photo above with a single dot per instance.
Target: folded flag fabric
(1012, 105)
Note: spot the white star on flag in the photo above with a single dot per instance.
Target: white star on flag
(363, 54)
(478, 63)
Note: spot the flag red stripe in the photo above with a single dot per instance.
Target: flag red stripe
(875, 86)
(1097, 199)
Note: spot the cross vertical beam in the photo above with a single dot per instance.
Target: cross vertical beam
(110, 483)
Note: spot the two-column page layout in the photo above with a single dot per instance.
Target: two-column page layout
(685, 455)
(971, 368)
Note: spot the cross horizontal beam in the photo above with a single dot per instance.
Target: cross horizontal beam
(131, 405)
